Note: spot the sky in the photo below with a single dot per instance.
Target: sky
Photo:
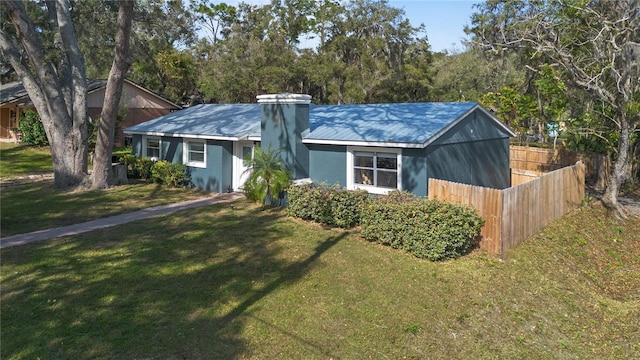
(444, 20)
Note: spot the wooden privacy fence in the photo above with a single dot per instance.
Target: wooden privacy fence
(515, 213)
(541, 160)
(529, 162)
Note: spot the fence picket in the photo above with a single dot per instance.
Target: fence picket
(513, 214)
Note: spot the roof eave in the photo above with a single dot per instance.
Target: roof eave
(386, 144)
(497, 121)
(189, 136)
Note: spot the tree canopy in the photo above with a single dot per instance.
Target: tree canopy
(593, 45)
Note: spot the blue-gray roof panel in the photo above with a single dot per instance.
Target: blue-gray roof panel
(408, 123)
(385, 123)
(211, 120)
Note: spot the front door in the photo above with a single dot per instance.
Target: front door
(241, 150)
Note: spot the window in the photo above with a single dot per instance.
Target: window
(152, 148)
(195, 153)
(376, 171)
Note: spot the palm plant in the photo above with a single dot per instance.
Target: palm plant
(268, 176)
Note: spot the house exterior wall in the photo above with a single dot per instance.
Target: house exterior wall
(414, 171)
(6, 123)
(282, 127)
(134, 116)
(215, 177)
(328, 163)
(475, 127)
(475, 151)
(483, 163)
(171, 149)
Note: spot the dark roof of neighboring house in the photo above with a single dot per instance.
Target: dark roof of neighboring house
(399, 124)
(15, 92)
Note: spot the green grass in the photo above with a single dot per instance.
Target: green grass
(37, 206)
(250, 283)
(20, 160)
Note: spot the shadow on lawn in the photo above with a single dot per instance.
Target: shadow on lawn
(181, 286)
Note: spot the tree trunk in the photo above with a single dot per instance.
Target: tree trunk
(610, 197)
(60, 101)
(102, 175)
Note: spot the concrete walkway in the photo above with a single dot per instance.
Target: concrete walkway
(102, 223)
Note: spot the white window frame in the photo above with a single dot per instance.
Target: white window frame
(351, 185)
(146, 147)
(186, 150)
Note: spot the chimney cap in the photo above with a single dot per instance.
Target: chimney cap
(284, 98)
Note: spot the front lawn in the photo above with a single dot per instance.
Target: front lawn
(38, 206)
(227, 283)
(21, 160)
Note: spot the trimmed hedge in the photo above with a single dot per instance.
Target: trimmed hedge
(329, 205)
(428, 229)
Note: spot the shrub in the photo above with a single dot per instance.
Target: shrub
(161, 172)
(428, 229)
(329, 205)
(143, 167)
(32, 129)
(129, 160)
(170, 174)
(346, 206)
(308, 202)
(396, 197)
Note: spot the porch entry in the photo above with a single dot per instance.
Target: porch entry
(241, 150)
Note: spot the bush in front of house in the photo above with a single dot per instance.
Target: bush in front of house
(346, 206)
(32, 129)
(307, 202)
(137, 167)
(170, 174)
(161, 172)
(428, 229)
(329, 205)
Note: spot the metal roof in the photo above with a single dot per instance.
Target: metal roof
(409, 123)
(394, 125)
(211, 121)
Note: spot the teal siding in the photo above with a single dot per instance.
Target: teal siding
(414, 171)
(136, 145)
(172, 149)
(217, 176)
(475, 151)
(282, 126)
(483, 163)
(328, 163)
(475, 127)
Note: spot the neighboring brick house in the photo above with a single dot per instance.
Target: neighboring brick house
(142, 105)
